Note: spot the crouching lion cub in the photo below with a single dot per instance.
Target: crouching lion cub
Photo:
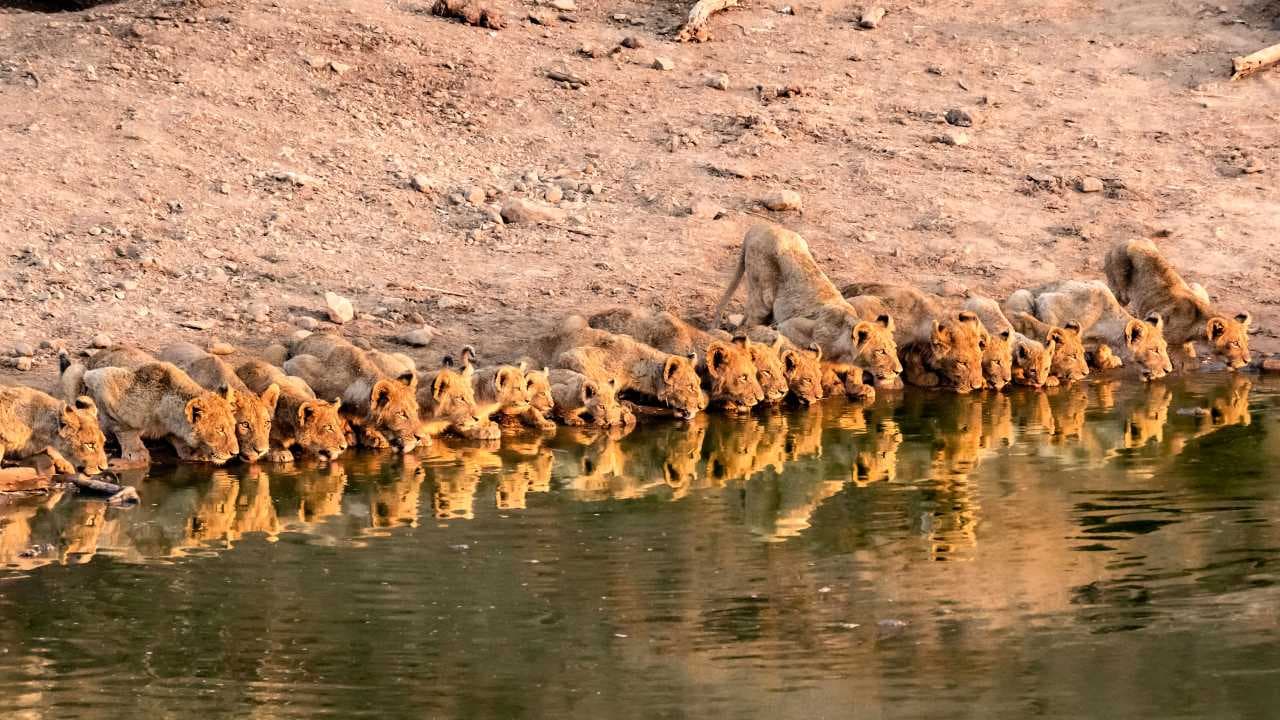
(1143, 279)
(381, 408)
(300, 420)
(669, 379)
(1102, 322)
(146, 399)
(731, 378)
(253, 411)
(1032, 361)
(503, 393)
(801, 369)
(34, 423)
(579, 400)
(786, 287)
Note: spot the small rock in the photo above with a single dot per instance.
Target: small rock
(340, 68)
(736, 319)
(663, 63)
(592, 50)
(306, 322)
(786, 10)
(296, 178)
(1089, 185)
(216, 275)
(705, 209)
(519, 210)
(23, 349)
(564, 5)
(959, 118)
(420, 337)
(719, 81)
(361, 343)
(23, 364)
(202, 324)
(449, 302)
(221, 348)
(782, 200)
(475, 195)
(542, 17)
(871, 18)
(127, 285)
(554, 194)
(952, 138)
(101, 340)
(632, 42)
(299, 335)
(340, 309)
(422, 183)
(259, 311)
(211, 253)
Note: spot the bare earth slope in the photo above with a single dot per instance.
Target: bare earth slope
(228, 162)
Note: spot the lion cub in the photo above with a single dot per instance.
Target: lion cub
(144, 399)
(448, 400)
(786, 287)
(1070, 360)
(801, 369)
(34, 423)
(504, 394)
(381, 409)
(579, 400)
(253, 411)
(1102, 322)
(730, 376)
(669, 379)
(314, 427)
(1143, 279)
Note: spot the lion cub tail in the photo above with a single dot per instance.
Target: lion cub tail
(1119, 270)
(733, 286)
(70, 377)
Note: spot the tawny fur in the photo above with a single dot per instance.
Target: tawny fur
(670, 380)
(35, 423)
(253, 410)
(801, 368)
(1103, 322)
(785, 287)
(1144, 280)
(1070, 361)
(154, 400)
(301, 421)
(448, 401)
(381, 408)
(1031, 360)
(728, 371)
(579, 400)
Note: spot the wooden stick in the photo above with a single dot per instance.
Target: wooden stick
(442, 291)
(575, 231)
(1247, 65)
(695, 27)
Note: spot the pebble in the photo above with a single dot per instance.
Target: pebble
(23, 364)
(475, 195)
(663, 63)
(959, 118)
(554, 194)
(705, 209)
(719, 81)
(592, 51)
(871, 18)
(519, 210)
(23, 349)
(101, 340)
(419, 337)
(421, 183)
(221, 348)
(340, 309)
(217, 275)
(952, 138)
(340, 68)
(1089, 185)
(299, 335)
(564, 5)
(782, 200)
(212, 253)
(261, 312)
(632, 42)
(306, 322)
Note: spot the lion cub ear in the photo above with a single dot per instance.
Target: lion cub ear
(68, 417)
(194, 411)
(789, 360)
(589, 391)
(670, 368)
(227, 393)
(1244, 319)
(439, 385)
(1072, 327)
(1133, 331)
(381, 393)
(84, 402)
(271, 396)
(306, 411)
(1215, 328)
(1022, 353)
(886, 321)
(816, 349)
(862, 333)
(717, 357)
(1156, 320)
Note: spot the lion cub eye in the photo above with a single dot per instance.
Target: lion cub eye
(243, 427)
(90, 446)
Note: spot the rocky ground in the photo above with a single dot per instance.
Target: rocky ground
(209, 170)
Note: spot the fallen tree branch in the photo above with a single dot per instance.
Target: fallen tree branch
(575, 231)
(1247, 65)
(695, 28)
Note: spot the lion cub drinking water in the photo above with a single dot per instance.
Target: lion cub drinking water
(139, 398)
(253, 411)
(34, 423)
(313, 426)
(1143, 279)
(786, 287)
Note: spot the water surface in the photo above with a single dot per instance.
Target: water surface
(1105, 550)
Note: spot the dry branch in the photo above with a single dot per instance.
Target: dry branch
(695, 28)
(1246, 65)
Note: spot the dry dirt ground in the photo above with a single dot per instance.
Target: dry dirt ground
(226, 163)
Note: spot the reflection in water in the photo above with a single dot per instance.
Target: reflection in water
(722, 566)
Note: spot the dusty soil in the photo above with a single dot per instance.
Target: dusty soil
(226, 163)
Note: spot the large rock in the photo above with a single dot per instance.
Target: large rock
(519, 210)
(340, 309)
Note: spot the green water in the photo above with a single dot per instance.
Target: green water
(1104, 551)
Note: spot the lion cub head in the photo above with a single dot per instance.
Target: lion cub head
(770, 371)
(803, 370)
(210, 427)
(503, 386)
(393, 411)
(1069, 361)
(253, 415)
(956, 348)
(1032, 362)
(321, 430)
(1145, 346)
(600, 404)
(1229, 339)
(537, 386)
(734, 382)
(875, 349)
(997, 359)
(80, 439)
(680, 388)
